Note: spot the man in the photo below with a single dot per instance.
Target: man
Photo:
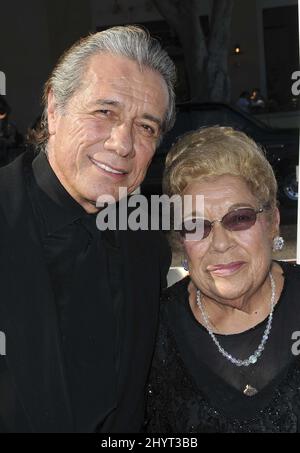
(79, 306)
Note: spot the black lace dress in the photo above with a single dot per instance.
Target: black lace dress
(194, 389)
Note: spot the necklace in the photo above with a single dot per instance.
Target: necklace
(258, 352)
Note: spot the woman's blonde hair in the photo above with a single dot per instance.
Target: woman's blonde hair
(216, 151)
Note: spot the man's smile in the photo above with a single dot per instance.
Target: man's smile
(108, 168)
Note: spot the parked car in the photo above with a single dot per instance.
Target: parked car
(281, 145)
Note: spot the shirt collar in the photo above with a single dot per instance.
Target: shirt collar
(57, 206)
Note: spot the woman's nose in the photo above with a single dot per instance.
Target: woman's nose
(221, 238)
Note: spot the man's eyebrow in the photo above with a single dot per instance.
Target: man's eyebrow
(154, 119)
(146, 116)
(107, 102)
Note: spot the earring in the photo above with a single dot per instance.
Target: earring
(278, 243)
(185, 264)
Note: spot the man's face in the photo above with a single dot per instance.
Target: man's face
(108, 133)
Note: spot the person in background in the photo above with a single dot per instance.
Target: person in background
(227, 357)
(257, 101)
(243, 102)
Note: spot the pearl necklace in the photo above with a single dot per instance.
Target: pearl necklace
(258, 352)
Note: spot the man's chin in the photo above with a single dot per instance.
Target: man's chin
(108, 196)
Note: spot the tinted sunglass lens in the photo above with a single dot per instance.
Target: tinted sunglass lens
(239, 220)
(206, 228)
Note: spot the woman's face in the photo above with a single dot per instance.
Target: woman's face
(229, 266)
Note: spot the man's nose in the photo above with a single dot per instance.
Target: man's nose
(120, 140)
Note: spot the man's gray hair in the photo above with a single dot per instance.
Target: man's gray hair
(129, 41)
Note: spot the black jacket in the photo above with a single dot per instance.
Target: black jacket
(33, 390)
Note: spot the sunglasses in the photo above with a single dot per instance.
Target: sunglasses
(240, 219)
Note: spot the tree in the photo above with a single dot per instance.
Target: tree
(206, 62)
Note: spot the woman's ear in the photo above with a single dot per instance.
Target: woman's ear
(276, 222)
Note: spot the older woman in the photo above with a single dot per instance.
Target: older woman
(226, 358)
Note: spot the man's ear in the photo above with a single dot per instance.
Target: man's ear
(52, 113)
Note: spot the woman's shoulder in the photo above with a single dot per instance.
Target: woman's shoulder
(173, 310)
(172, 304)
(291, 271)
(291, 290)
(176, 292)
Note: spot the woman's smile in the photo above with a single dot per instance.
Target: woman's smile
(224, 270)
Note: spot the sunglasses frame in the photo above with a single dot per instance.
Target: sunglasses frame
(183, 232)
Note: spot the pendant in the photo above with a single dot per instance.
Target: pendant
(249, 390)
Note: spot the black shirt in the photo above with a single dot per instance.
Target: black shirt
(85, 274)
(193, 388)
